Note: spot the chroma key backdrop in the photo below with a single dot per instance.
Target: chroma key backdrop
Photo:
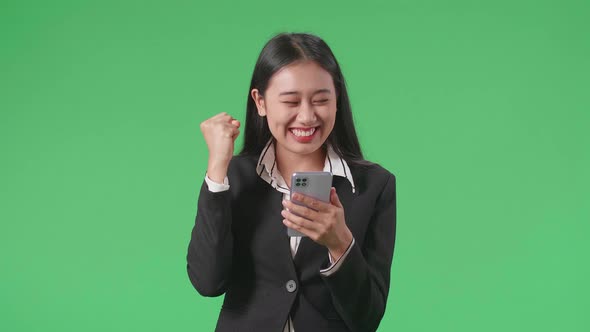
(480, 108)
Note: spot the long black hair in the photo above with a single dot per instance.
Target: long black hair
(280, 51)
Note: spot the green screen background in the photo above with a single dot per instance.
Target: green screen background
(479, 108)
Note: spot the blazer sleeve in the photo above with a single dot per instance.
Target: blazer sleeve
(360, 287)
(209, 257)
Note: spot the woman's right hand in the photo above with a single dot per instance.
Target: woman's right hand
(220, 133)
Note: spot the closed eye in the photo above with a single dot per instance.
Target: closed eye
(296, 102)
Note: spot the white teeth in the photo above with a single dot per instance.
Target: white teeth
(299, 132)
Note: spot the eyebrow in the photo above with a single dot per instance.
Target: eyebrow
(295, 92)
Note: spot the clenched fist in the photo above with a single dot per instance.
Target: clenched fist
(220, 133)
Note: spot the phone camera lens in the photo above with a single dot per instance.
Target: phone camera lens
(298, 179)
(305, 179)
(297, 184)
(304, 184)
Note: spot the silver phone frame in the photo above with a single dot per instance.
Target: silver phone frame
(323, 183)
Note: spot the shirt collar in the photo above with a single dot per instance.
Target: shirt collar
(267, 168)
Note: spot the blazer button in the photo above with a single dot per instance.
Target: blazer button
(291, 286)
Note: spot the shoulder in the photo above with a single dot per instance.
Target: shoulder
(242, 170)
(371, 176)
(371, 169)
(241, 163)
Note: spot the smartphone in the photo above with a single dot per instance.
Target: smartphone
(313, 184)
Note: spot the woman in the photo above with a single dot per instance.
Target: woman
(336, 276)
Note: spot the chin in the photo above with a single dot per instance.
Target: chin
(306, 148)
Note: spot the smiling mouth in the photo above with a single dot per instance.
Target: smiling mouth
(303, 132)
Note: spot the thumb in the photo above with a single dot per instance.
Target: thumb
(235, 134)
(334, 198)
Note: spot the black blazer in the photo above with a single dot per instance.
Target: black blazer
(239, 246)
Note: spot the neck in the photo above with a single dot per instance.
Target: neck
(289, 162)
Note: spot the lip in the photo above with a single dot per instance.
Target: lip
(304, 139)
(304, 128)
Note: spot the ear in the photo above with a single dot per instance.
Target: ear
(259, 101)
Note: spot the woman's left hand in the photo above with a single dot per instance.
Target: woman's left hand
(322, 222)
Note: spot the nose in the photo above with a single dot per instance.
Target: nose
(306, 114)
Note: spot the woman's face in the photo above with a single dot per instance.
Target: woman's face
(300, 107)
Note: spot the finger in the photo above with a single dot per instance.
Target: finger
(311, 202)
(223, 117)
(298, 228)
(299, 221)
(232, 133)
(229, 127)
(235, 123)
(236, 133)
(229, 131)
(302, 211)
(334, 199)
(228, 118)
